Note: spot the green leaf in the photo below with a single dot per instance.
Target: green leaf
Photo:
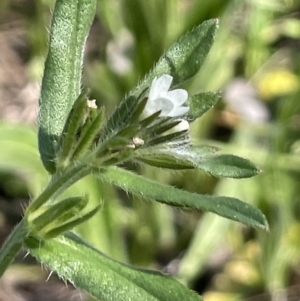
(185, 57)
(62, 76)
(201, 103)
(229, 166)
(203, 158)
(231, 208)
(175, 158)
(102, 277)
(165, 161)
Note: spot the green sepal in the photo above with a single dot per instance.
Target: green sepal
(59, 212)
(180, 135)
(119, 141)
(89, 132)
(200, 103)
(149, 120)
(71, 224)
(103, 277)
(121, 116)
(228, 207)
(164, 128)
(139, 110)
(68, 139)
(117, 158)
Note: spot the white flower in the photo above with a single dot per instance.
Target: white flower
(168, 102)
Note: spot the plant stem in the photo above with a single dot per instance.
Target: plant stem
(59, 184)
(12, 245)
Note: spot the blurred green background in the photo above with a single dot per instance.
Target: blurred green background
(255, 62)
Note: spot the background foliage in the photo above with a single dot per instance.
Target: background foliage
(254, 62)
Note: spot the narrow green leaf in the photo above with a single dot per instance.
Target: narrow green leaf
(62, 76)
(71, 224)
(185, 57)
(102, 277)
(201, 103)
(228, 207)
(229, 166)
(56, 213)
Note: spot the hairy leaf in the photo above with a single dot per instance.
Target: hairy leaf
(102, 277)
(228, 207)
(185, 57)
(201, 103)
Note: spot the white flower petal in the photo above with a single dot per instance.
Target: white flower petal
(166, 105)
(178, 111)
(161, 99)
(178, 96)
(152, 107)
(160, 86)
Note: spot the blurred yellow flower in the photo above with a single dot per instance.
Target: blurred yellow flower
(278, 83)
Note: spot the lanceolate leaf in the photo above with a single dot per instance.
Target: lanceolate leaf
(201, 103)
(231, 208)
(185, 57)
(229, 166)
(102, 277)
(62, 77)
(201, 157)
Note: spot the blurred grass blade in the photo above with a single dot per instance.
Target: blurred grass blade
(102, 277)
(200, 103)
(231, 208)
